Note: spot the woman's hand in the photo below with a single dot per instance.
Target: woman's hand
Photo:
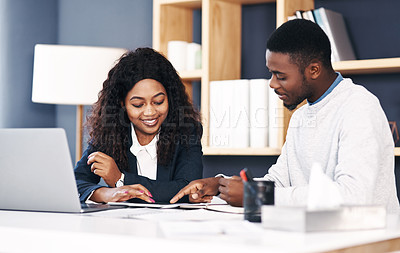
(105, 167)
(122, 193)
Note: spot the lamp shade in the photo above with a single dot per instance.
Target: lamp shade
(71, 74)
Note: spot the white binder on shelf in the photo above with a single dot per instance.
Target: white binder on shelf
(274, 119)
(258, 113)
(240, 113)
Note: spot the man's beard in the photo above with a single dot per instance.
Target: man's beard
(291, 107)
(306, 92)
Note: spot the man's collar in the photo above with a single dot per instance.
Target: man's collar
(338, 79)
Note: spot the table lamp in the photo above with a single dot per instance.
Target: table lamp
(71, 75)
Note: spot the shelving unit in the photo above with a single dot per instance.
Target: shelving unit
(221, 51)
(241, 151)
(194, 75)
(373, 66)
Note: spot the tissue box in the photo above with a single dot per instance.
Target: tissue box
(342, 218)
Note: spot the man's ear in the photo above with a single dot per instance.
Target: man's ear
(314, 70)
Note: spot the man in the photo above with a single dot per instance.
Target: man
(342, 127)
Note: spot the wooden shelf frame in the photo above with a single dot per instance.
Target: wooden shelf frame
(211, 151)
(192, 4)
(194, 75)
(221, 49)
(197, 4)
(370, 66)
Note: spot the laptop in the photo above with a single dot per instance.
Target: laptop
(36, 172)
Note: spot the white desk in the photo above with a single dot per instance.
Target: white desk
(56, 232)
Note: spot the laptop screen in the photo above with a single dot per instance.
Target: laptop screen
(36, 171)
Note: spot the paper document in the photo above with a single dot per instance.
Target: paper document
(225, 208)
(188, 215)
(135, 213)
(214, 201)
(145, 205)
(217, 204)
(166, 214)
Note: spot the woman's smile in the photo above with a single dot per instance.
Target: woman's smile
(150, 122)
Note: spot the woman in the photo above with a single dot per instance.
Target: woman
(144, 134)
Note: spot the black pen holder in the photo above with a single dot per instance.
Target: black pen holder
(256, 194)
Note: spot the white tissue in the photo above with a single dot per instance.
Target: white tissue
(322, 191)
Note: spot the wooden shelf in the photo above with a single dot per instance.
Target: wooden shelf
(253, 151)
(193, 4)
(372, 66)
(194, 75)
(196, 4)
(221, 51)
(221, 48)
(244, 2)
(242, 151)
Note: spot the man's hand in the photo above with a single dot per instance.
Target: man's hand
(199, 191)
(105, 167)
(231, 190)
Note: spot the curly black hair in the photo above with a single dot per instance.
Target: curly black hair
(303, 40)
(109, 125)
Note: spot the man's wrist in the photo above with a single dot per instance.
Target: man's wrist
(216, 183)
(221, 175)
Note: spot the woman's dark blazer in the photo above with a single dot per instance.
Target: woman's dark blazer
(185, 166)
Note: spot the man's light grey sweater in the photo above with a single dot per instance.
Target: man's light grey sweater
(348, 134)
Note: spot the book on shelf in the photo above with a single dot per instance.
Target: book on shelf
(395, 132)
(240, 111)
(229, 114)
(239, 120)
(333, 24)
(219, 110)
(309, 15)
(337, 33)
(273, 118)
(299, 14)
(259, 113)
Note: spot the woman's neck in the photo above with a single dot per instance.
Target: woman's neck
(144, 139)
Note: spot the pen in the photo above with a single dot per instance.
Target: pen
(243, 175)
(248, 175)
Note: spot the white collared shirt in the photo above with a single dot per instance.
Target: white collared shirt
(146, 156)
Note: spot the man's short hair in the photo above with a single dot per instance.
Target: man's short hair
(303, 40)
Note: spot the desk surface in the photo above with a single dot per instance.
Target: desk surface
(110, 231)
